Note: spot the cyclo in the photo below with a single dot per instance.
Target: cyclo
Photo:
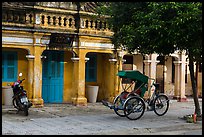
(131, 103)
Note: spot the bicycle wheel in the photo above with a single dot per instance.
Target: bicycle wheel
(118, 106)
(161, 105)
(134, 108)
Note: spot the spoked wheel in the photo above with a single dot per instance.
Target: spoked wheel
(134, 108)
(161, 105)
(118, 106)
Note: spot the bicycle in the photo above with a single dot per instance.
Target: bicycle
(132, 104)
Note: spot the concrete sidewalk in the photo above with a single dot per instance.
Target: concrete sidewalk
(66, 119)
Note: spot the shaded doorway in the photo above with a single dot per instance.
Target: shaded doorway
(160, 73)
(52, 77)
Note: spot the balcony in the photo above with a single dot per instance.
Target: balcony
(54, 21)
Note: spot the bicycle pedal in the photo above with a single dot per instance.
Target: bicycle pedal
(105, 103)
(111, 106)
(149, 108)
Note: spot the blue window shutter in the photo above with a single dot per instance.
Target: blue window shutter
(9, 66)
(91, 68)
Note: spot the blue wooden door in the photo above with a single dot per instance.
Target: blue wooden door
(52, 77)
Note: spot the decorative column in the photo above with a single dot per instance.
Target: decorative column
(45, 20)
(182, 77)
(73, 23)
(147, 73)
(89, 24)
(119, 67)
(147, 67)
(112, 73)
(30, 75)
(177, 79)
(35, 70)
(182, 97)
(93, 24)
(78, 84)
(153, 69)
(150, 69)
(29, 18)
(179, 90)
(51, 20)
(37, 78)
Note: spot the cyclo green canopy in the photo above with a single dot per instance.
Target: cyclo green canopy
(137, 76)
(134, 75)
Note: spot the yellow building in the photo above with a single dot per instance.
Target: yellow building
(59, 59)
(41, 41)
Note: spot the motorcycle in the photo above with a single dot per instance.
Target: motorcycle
(20, 100)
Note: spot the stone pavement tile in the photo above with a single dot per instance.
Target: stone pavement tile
(66, 119)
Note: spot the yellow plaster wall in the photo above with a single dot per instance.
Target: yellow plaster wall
(102, 76)
(105, 77)
(68, 77)
(95, 39)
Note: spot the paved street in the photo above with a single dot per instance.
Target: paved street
(66, 119)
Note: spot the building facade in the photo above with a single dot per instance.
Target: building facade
(59, 58)
(171, 72)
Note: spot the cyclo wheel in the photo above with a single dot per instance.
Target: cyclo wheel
(118, 106)
(161, 105)
(134, 107)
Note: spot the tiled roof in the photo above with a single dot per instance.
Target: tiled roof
(90, 6)
(85, 6)
(17, 4)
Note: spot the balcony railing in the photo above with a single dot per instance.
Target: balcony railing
(17, 18)
(58, 22)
